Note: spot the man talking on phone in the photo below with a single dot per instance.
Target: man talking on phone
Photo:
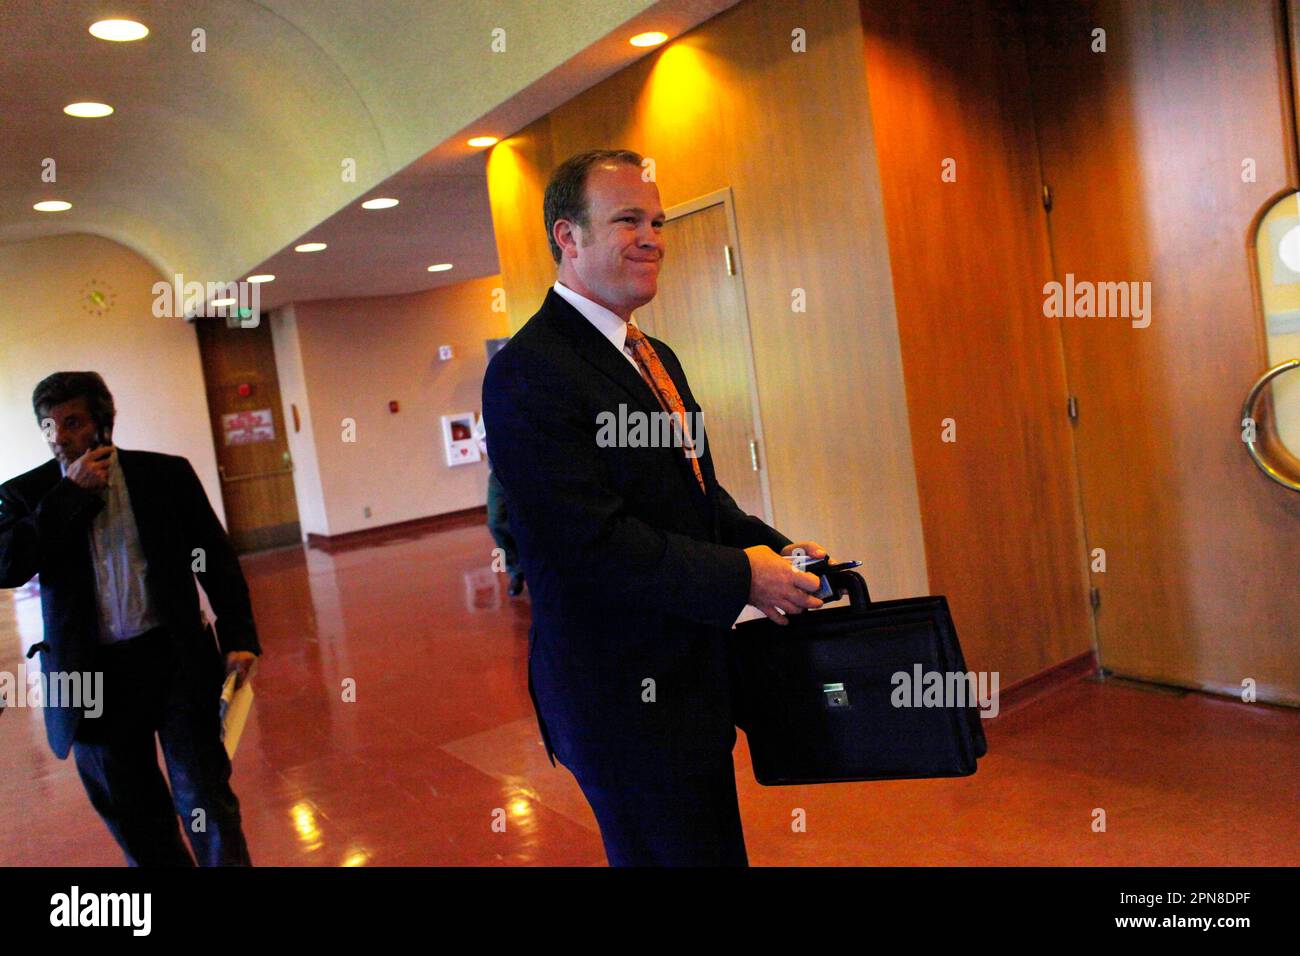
(117, 538)
(637, 559)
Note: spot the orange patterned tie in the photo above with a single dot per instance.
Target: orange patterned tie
(656, 376)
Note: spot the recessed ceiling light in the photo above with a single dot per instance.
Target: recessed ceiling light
(309, 247)
(222, 303)
(88, 110)
(653, 38)
(262, 278)
(440, 267)
(380, 203)
(120, 31)
(481, 142)
(52, 205)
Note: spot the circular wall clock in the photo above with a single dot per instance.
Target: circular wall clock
(97, 298)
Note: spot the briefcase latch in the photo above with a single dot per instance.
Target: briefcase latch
(835, 695)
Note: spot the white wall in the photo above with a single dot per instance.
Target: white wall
(151, 365)
(347, 358)
(302, 444)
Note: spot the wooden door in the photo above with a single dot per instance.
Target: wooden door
(986, 389)
(700, 312)
(1160, 153)
(248, 431)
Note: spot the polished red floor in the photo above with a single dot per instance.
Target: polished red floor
(440, 743)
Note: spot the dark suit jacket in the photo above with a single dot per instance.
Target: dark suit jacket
(45, 524)
(634, 573)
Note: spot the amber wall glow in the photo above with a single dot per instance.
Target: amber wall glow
(731, 104)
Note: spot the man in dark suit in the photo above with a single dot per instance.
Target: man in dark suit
(637, 560)
(117, 537)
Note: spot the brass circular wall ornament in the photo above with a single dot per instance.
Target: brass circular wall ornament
(97, 298)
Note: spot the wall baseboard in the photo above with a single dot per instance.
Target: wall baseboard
(1045, 683)
(263, 539)
(366, 537)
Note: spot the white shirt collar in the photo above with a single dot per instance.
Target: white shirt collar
(606, 322)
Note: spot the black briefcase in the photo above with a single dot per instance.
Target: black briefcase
(821, 700)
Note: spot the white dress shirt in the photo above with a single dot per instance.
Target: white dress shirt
(125, 610)
(606, 322)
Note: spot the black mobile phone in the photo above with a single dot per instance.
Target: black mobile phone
(823, 566)
(103, 436)
(842, 566)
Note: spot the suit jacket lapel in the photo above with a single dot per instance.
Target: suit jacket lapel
(597, 351)
(46, 478)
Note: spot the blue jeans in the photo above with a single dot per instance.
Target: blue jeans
(152, 687)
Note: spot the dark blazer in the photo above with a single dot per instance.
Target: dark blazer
(45, 524)
(634, 574)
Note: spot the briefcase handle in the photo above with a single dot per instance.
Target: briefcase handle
(852, 584)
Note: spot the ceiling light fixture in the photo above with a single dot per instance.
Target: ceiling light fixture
(88, 110)
(262, 278)
(309, 247)
(653, 38)
(440, 267)
(119, 31)
(380, 203)
(481, 142)
(52, 205)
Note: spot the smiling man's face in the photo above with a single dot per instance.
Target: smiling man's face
(615, 259)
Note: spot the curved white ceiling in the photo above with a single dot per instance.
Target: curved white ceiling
(215, 161)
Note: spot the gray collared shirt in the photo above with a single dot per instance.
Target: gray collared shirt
(125, 609)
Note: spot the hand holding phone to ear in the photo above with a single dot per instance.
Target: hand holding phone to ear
(90, 471)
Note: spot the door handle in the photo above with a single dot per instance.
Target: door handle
(1248, 412)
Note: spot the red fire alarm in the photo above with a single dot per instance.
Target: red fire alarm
(245, 390)
(392, 406)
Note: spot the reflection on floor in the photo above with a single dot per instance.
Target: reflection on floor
(440, 743)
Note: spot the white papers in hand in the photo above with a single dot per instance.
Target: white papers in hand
(234, 711)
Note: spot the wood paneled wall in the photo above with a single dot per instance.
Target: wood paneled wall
(732, 104)
(949, 91)
(1162, 152)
